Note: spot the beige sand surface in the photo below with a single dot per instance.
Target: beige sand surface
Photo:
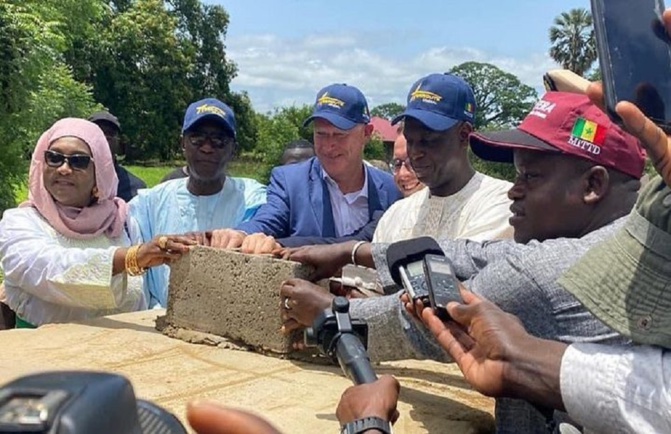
(297, 397)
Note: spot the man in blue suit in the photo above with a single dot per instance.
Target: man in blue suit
(332, 195)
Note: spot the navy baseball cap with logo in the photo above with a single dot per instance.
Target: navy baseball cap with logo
(342, 105)
(209, 108)
(440, 101)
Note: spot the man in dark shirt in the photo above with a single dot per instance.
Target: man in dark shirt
(129, 184)
(178, 173)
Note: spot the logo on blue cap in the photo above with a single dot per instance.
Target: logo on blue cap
(343, 106)
(330, 101)
(209, 108)
(424, 95)
(440, 101)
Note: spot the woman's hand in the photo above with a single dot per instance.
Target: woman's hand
(163, 250)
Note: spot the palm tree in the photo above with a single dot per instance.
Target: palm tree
(572, 38)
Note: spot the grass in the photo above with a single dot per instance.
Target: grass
(152, 175)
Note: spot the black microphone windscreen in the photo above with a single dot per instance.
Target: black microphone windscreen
(404, 252)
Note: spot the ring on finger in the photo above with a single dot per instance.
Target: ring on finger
(163, 242)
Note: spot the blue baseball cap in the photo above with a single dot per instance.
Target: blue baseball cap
(209, 108)
(440, 101)
(342, 105)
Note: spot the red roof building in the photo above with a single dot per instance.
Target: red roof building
(383, 129)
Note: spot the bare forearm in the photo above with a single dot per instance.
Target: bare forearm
(364, 255)
(534, 373)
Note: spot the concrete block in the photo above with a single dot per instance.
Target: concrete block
(233, 295)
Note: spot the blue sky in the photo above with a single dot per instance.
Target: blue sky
(287, 50)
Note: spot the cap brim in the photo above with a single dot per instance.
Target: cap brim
(105, 118)
(213, 117)
(337, 121)
(431, 120)
(499, 145)
(624, 283)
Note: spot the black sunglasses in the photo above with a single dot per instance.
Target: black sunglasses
(75, 161)
(218, 141)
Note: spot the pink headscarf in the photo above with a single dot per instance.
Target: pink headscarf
(108, 215)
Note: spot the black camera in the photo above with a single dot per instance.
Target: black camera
(74, 402)
(343, 340)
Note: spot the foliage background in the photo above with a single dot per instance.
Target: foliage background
(146, 60)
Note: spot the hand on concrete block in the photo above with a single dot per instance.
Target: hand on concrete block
(301, 303)
(327, 259)
(162, 250)
(259, 244)
(227, 239)
(201, 238)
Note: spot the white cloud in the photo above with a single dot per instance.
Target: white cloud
(277, 72)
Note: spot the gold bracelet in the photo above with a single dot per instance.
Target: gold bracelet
(132, 267)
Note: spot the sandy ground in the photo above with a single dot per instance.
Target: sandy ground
(297, 397)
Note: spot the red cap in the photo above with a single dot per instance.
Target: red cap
(566, 123)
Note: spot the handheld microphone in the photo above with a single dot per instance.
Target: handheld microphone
(426, 274)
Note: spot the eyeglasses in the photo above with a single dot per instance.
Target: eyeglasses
(75, 161)
(218, 141)
(396, 164)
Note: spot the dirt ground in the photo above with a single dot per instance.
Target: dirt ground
(297, 397)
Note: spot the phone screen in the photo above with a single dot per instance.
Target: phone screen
(415, 269)
(440, 267)
(637, 63)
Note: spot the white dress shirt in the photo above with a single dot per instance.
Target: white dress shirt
(350, 211)
(617, 389)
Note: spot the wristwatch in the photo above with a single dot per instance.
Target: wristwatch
(367, 423)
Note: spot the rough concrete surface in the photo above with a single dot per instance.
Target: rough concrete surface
(233, 295)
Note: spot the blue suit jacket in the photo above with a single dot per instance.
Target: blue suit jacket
(364, 234)
(299, 203)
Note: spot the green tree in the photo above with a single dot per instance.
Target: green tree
(202, 29)
(595, 75)
(572, 39)
(275, 130)
(388, 111)
(496, 170)
(247, 135)
(37, 87)
(502, 101)
(142, 77)
(148, 59)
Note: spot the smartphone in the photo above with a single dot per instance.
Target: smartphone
(442, 284)
(414, 282)
(635, 56)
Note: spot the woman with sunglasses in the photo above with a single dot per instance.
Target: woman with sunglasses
(71, 251)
